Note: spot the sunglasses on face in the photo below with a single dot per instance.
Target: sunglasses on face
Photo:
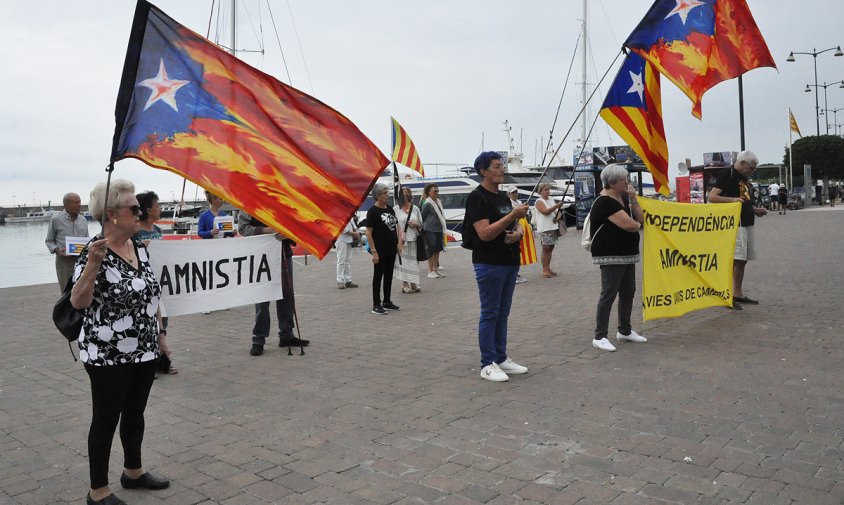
(134, 209)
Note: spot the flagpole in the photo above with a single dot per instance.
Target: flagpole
(790, 163)
(741, 110)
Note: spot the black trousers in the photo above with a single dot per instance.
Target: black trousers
(118, 393)
(284, 308)
(616, 280)
(383, 273)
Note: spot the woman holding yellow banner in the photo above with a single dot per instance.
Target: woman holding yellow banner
(615, 220)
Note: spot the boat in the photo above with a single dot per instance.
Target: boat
(39, 216)
(455, 189)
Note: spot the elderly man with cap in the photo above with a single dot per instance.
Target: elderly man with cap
(67, 223)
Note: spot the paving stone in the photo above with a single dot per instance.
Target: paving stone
(372, 415)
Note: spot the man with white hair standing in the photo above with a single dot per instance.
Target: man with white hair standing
(733, 186)
(67, 223)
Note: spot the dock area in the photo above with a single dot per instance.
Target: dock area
(719, 406)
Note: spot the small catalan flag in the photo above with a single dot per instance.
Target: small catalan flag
(404, 151)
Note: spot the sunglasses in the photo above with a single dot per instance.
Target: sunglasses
(135, 209)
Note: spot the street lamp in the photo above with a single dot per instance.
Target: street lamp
(814, 54)
(824, 86)
(834, 114)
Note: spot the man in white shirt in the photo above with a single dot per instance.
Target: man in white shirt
(773, 189)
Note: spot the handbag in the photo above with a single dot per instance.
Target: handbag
(421, 250)
(68, 319)
(560, 219)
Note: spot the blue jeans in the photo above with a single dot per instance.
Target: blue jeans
(496, 284)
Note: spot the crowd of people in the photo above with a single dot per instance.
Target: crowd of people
(124, 343)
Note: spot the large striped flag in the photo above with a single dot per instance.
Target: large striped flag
(289, 160)
(793, 124)
(633, 108)
(699, 43)
(527, 245)
(404, 151)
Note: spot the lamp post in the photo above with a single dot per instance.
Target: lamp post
(834, 114)
(814, 54)
(824, 86)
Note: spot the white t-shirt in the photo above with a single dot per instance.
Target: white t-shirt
(773, 189)
(545, 222)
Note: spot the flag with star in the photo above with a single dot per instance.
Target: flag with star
(699, 43)
(633, 108)
(289, 160)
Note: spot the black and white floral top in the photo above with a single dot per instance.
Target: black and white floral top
(120, 326)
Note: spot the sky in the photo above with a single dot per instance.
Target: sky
(450, 72)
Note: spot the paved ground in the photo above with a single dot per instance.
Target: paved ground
(719, 406)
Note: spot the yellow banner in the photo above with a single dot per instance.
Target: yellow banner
(688, 256)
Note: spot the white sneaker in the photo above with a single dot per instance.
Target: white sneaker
(633, 337)
(510, 366)
(603, 344)
(433, 275)
(520, 279)
(493, 373)
(440, 268)
(439, 274)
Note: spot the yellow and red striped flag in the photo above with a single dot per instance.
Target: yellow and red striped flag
(793, 124)
(527, 246)
(404, 151)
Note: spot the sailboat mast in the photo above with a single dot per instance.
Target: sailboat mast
(234, 28)
(584, 87)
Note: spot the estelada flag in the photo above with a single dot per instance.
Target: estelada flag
(289, 160)
(793, 124)
(633, 108)
(404, 151)
(699, 43)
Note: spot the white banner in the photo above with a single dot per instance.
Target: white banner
(204, 275)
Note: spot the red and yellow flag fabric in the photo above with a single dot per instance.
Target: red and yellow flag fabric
(633, 108)
(699, 43)
(404, 151)
(793, 124)
(289, 160)
(527, 245)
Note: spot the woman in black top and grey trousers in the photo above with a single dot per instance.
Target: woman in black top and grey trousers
(615, 221)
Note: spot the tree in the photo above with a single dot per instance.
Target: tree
(824, 153)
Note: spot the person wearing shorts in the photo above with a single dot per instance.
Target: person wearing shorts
(733, 186)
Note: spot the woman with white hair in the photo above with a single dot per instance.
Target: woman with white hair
(121, 339)
(615, 220)
(383, 237)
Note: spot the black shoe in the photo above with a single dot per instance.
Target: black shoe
(377, 309)
(735, 306)
(745, 300)
(390, 306)
(145, 481)
(108, 500)
(256, 350)
(293, 342)
(351, 285)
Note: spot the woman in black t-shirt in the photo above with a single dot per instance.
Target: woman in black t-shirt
(615, 219)
(382, 235)
(494, 237)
